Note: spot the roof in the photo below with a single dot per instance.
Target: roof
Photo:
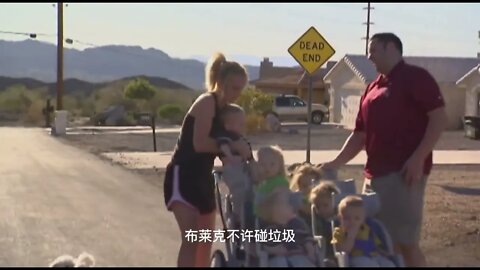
(443, 69)
(290, 76)
(285, 77)
(470, 73)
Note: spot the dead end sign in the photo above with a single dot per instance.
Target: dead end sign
(311, 50)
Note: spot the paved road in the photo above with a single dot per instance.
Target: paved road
(57, 199)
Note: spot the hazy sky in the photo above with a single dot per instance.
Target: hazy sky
(243, 31)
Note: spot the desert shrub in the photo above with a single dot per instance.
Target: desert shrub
(139, 88)
(171, 112)
(256, 105)
(253, 100)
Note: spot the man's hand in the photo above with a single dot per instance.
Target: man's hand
(331, 165)
(413, 169)
(328, 169)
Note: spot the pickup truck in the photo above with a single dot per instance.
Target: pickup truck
(291, 108)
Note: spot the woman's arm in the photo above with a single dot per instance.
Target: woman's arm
(203, 110)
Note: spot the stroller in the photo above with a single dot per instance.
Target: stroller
(372, 205)
(236, 212)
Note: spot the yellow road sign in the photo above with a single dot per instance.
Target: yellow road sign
(311, 50)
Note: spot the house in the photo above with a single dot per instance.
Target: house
(291, 80)
(470, 83)
(112, 116)
(348, 79)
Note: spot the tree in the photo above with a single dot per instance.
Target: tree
(172, 112)
(255, 101)
(140, 89)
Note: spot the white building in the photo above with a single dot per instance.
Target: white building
(348, 79)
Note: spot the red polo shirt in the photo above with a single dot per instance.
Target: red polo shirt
(393, 115)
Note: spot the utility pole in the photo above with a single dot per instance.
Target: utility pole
(59, 56)
(368, 23)
(478, 54)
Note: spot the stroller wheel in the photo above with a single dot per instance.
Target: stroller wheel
(218, 259)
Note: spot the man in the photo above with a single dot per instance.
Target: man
(401, 117)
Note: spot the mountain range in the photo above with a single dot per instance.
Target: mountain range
(37, 60)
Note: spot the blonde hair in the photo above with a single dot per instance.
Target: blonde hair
(325, 189)
(228, 110)
(83, 260)
(301, 171)
(276, 152)
(218, 69)
(350, 201)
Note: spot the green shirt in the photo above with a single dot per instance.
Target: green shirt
(267, 187)
(271, 184)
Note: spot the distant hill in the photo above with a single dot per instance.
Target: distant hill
(77, 87)
(37, 60)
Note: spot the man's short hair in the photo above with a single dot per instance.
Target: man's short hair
(385, 38)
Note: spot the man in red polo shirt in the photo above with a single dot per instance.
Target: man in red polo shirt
(401, 117)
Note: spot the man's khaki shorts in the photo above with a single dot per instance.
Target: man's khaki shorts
(401, 209)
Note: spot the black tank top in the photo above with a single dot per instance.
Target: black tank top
(185, 154)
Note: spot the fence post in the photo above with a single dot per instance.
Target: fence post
(153, 131)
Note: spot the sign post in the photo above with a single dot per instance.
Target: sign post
(311, 51)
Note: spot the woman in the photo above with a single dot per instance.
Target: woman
(189, 186)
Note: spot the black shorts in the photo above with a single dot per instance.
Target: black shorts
(191, 185)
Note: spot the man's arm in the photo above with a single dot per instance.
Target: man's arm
(355, 142)
(353, 145)
(427, 96)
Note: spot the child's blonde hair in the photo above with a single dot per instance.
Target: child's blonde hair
(301, 171)
(83, 260)
(349, 201)
(228, 110)
(275, 152)
(325, 189)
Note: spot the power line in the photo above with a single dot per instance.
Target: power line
(76, 41)
(31, 35)
(368, 23)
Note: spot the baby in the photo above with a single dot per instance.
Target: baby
(321, 199)
(299, 251)
(302, 181)
(356, 238)
(269, 172)
(233, 119)
(235, 170)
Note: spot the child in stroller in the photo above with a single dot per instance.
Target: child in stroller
(359, 240)
(298, 250)
(322, 213)
(271, 185)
